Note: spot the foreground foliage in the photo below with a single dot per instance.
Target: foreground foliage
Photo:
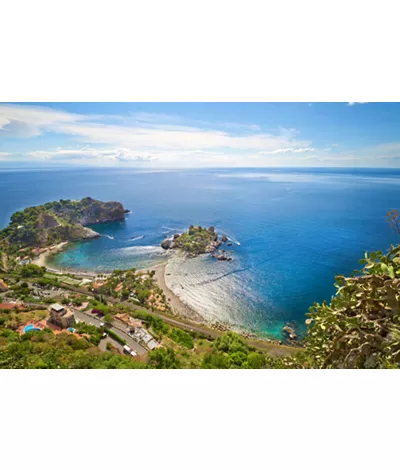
(230, 351)
(360, 328)
(44, 350)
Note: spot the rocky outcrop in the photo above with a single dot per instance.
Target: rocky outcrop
(166, 244)
(224, 257)
(197, 240)
(47, 221)
(89, 211)
(58, 221)
(289, 332)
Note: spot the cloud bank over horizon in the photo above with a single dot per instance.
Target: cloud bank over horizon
(33, 134)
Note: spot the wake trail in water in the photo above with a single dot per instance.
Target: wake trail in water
(136, 238)
(230, 237)
(109, 236)
(209, 281)
(172, 229)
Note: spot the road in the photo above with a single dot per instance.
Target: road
(262, 345)
(92, 320)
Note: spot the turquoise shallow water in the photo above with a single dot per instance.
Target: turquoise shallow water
(295, 229)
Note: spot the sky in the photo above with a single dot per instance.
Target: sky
(193, 135)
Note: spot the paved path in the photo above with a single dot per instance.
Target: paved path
(92, 320)
(268, 347)
(108, 339)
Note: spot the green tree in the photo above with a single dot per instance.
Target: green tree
(256, 360)
(108, 318)
(163, 358)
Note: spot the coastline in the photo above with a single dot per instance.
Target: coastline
(43, 260)
(179, 307)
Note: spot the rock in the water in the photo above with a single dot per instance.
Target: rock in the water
(166, 244)
(176, 235)
(290, 332)
(224, 257)
(224, 239)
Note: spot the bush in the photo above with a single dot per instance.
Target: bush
(163, 358)
(182, 338)
(115, 336)
(360, 328)
(31, 270)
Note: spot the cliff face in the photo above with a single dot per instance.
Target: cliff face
(59, 221)
(90, 211)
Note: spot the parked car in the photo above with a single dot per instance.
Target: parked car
(130, 351)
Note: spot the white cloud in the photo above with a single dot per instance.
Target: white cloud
(119, 154)
(289, 150)
(146, 137)
(31, 121)
(352, 103)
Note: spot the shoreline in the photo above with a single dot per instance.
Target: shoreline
(43, 261)
(178, 306)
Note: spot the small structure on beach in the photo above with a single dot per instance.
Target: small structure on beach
(61, 316)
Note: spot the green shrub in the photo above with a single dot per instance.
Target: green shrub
(182, 338)
(115, 336)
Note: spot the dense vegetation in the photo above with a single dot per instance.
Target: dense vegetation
(360, 328)
(196, 240)
(44, 350)
(231, 351)
(134, 286)
(55, 222)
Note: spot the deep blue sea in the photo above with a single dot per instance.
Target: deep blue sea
(293, 230)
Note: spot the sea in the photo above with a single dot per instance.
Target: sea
(291, 230)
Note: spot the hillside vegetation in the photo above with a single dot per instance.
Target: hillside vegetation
(55, 222)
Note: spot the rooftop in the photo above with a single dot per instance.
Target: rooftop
(57, 307)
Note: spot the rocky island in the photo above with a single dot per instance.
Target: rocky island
(56, 222)
(196, 241)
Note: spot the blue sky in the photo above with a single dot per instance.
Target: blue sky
(190, 135)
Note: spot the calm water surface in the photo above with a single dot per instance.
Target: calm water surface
(292, 229)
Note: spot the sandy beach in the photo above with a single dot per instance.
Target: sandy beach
(42, 259)
(179, 307)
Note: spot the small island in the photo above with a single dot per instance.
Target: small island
(36, 228)
(123, 319)
(196, 241)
